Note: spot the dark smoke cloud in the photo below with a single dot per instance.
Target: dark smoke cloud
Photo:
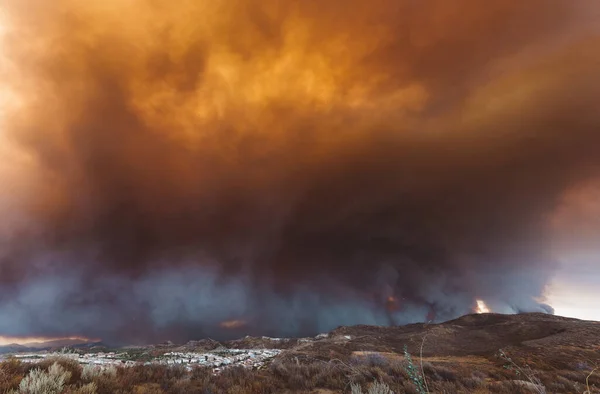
(289, 164)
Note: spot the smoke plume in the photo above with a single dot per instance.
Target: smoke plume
(289, 166)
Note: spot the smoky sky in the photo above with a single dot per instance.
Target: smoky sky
(292, 164)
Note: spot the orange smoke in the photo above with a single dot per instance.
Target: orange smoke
(284, 143)
(182, 70)
(40, 340)
(203, 77)
(176, 104)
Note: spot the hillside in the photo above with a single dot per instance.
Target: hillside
(475, 353)
(15, 348)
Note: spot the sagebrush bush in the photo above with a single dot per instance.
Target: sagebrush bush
(373, 388)
(67, 363)
(355, 388)
(379, 388)
(90, 371)
(41, 382)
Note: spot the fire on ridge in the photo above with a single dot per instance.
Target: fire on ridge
(481, 307)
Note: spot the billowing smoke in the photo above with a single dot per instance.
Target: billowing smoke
(288, 166)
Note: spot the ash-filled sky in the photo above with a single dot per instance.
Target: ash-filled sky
(293, 166)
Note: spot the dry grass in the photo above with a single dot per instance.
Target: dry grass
(361, 370)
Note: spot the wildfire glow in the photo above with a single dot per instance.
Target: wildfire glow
(392, 304)
(481, 307)
(37, 340)
(233, 324)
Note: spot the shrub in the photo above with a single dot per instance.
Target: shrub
(11, 374)
(41, 382)
(379, 388)
(148, 388)
(90, 372)
(90, 388)
(355, 388)
(374, 388)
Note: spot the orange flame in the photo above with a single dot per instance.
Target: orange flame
(481, 307)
